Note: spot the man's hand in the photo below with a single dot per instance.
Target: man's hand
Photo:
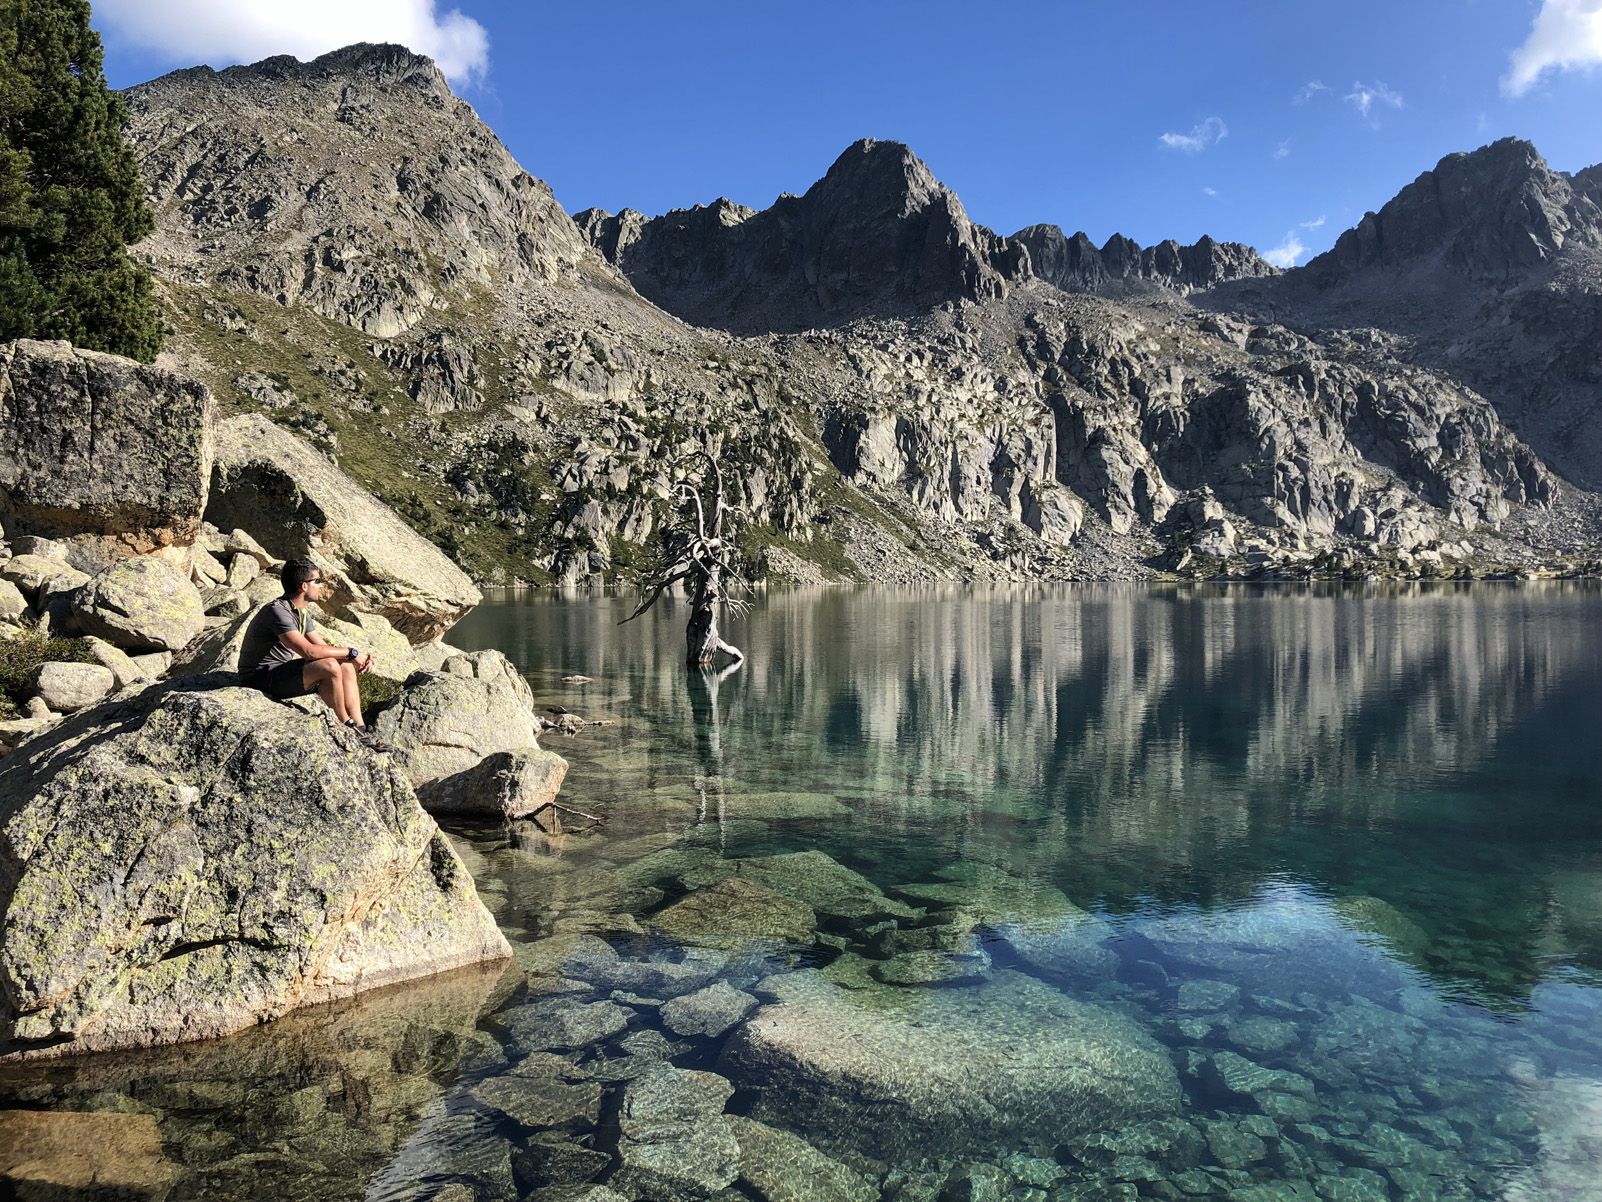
(365, 663)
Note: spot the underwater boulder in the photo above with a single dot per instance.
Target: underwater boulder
(896, 1072)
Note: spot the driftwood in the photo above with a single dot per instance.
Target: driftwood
(556, 810)
(698, 552)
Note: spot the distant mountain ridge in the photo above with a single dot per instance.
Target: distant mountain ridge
(1492, 213)
(877, 235)
(1076, 264)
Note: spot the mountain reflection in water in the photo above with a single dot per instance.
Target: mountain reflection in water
(1430, 746)
(1324, 865)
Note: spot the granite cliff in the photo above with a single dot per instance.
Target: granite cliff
(900, 393)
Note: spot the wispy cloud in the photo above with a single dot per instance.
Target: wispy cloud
(1310, 89)
(1209, 191)
(1282, 151)
(1287, 252)
(1314, 224)
(1208, 133)
(1566, 36)
(204, 31)
(1364, 97)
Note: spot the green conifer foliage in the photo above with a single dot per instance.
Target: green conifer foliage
(70, 196)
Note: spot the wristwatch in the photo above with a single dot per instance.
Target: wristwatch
(352, 654)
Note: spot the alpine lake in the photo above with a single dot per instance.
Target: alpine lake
(1094, 892)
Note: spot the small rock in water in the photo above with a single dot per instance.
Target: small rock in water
(1203, 996)
(542, 1101)
(709, 1011)
(675, 1145)
(557, 1159)
(734, 913)
(1033, 1170)
(561, 1022)
(1259, 1036)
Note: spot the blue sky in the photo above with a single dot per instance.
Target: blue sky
(1286, 119)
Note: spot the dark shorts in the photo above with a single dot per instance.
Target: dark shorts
(281, 682)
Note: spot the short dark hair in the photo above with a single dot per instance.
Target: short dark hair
(296, 573)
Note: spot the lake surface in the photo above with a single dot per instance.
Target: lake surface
(1094, 892)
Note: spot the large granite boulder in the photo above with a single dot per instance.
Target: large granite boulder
(110, 454)
(189, 862)
(296, 502)
(447, 723)
(508, 784)
(140, 604)
(1006, 1063)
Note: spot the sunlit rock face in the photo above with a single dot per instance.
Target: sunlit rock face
(896, 392)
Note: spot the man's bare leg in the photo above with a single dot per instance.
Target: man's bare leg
(325, 676)
(352, 691)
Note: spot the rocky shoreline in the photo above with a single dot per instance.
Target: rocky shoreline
(181, 858)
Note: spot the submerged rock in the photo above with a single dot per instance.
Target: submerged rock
(709, 1011)
(561, 1022)
(1009, 1061)
(675, 1145)
(106, 1154)
(735, 913)
(183, 864)
(820, 881)
(781, 1167)
(767, 806)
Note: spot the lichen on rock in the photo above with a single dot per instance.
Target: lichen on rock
(193, 860)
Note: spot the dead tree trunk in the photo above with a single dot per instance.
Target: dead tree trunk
(698, 553)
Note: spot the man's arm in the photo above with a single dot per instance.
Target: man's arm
(312, 645)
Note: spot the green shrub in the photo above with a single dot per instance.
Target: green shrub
(20, 659)
(378, 694)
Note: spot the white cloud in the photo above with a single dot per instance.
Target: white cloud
(205, 31)
(1209, 191)
(1314, 224)
(1566, 36)
(1287, 252)
(1364, 96)
(1282, 151)
(1198, 139)
(1309, 90)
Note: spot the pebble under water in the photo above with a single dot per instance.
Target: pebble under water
(1103, 892)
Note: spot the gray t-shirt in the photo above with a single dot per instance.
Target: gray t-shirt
(262, 648)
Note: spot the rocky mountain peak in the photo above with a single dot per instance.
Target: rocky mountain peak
(1121, 265)
(356, 184)
(1490, 213)
(878, 235)
(872, 173)
(386, 64)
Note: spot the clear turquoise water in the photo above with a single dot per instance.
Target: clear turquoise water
(1337, 853)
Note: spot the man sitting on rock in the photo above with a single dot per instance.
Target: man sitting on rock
(284, 656)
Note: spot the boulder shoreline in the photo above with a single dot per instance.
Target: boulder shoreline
(181, 857)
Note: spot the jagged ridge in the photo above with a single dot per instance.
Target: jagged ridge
(1076, 265)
